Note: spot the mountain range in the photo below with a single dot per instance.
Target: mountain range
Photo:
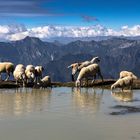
(116, 54)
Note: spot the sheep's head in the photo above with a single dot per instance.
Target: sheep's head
(74, 67)
(77, 83)
(30, 75)
(24, 77)
(39, 68)
(95, 60)
(134, 77)
(113, 87)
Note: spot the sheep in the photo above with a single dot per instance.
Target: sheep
(38, 73)
(89, 71)
(30, 73)
(127, 73)
(124, 82)
(19, 74)
(6, 67)
(76, 67)
(46, 81)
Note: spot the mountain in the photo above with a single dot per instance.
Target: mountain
(116, 54)
(66, 40)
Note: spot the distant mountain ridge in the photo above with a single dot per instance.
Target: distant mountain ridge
(116, 54)
(66, 40)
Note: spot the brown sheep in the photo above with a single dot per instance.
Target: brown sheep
(6, 67)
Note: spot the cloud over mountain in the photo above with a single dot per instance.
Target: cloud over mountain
(17, 32)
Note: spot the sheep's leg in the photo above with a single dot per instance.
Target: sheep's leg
(27, 80)
(35, 80)
(8, 75)
(0, 77)
(99, 73)
(23, 82)
(39, 78)
(86, 81)
(93, 79)
(72, 77)
(16, 82)
(80, 83)
(130, 87)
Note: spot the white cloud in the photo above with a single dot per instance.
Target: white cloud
(17, 32)
(6, 31)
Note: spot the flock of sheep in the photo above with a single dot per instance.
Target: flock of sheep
(24, 74)
(91, 68)
(86, 70)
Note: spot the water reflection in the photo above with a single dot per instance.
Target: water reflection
(24, 100)
(125, 96)
(87, 99)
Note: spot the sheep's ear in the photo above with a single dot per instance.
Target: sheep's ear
(69, 66)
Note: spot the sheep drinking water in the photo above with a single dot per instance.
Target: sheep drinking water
(46, 81)
(30, 73)
(19, 74)
(124, 82)
(89, 71)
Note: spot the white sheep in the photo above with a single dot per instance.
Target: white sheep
(122, 83)
(76, 67)
(19, 74)
(127, 73)
(30, 73)
(38, 73)
(6, 67)
(89, 71)
(46, 81)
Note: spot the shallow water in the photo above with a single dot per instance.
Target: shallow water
(67, 114)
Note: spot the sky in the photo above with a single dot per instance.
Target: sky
(77, 18)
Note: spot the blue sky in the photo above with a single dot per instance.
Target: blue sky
(68, 18)
(109, 13)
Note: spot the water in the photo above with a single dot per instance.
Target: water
(67, 114)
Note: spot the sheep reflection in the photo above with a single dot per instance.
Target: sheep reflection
(125, 96)
(22, 101)
(87, 99)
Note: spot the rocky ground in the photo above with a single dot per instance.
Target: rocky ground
(98, 83)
